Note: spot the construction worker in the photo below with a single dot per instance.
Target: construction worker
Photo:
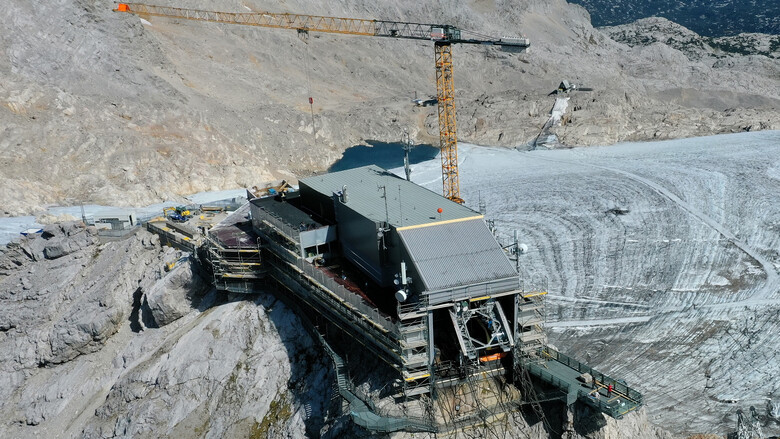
(609, 390)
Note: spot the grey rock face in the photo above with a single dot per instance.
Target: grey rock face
(78, 359)
(171, 297)
(58, 240)
(74, 294)
(230, 373)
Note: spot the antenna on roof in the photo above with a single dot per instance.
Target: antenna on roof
(383, 188)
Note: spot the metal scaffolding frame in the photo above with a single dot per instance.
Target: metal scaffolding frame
(235, 269)
(492, 317)
(529, 317)
(416, 330)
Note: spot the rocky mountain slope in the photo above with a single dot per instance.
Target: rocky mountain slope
(697, 47)
(105, 107)
(98, 341)
(714, 18)
(660, 258)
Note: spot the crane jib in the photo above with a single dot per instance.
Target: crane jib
(443, 37)
(316, 23)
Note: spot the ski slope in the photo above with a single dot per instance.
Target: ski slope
(661, 260)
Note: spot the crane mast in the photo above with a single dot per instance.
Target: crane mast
(443, 37)
(448, 139)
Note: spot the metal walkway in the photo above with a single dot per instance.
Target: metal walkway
(564, 373)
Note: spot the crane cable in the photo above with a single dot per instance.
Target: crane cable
(308, 83)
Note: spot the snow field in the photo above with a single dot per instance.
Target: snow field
(661, 260)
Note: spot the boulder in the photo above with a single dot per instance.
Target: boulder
(33, 247)
(56, 249)
(56, 241)
(173, 296)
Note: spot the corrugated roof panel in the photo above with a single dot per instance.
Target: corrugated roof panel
(407, 203)
(456, 254)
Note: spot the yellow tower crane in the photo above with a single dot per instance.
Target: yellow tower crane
(442, 35)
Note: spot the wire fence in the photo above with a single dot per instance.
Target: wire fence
(618, 386)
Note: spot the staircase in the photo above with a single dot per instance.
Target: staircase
(362, 409)
(416, 371)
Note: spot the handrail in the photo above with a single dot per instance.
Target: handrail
(287, 229)
(338, 295)
(625, 398)
(618, 387)
(351, 299)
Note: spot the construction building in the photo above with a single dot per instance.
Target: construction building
(418, 280)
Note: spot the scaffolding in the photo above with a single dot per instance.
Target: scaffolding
(529, 317)
(530, 337)
(235, 269)
(416, 338)
(172, 237)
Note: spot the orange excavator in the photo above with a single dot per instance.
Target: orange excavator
(442, 35)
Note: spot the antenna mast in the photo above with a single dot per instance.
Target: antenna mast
(407, 145)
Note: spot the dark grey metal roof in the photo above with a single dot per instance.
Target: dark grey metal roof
(456, 253)
(286, 211)
(407, 203)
